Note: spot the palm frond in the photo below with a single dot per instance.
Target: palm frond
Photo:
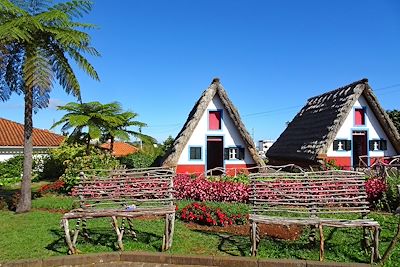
(63, 71)
(83, 63)
(37, 71)
(75, 8)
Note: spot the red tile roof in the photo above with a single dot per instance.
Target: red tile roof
(121, 149)
(12, 134)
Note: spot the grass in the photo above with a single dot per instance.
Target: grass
(38, 234)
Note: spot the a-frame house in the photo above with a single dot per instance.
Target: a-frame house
(347, 125)
(213, 136)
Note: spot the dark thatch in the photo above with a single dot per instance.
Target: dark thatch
(309, 135)
(172, 156)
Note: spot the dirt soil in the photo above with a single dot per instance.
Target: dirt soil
(284, 232)
(291, 232)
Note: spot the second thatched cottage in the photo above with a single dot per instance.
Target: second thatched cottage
(213, 137)
(346, 125)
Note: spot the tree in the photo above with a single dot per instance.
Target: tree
(120, 129)
(93, 117)
(36, 43)
(395, 117)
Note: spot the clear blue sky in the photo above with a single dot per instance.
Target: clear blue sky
(271, 56)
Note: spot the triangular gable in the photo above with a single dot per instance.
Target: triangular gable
(314, 128)
(194, 117)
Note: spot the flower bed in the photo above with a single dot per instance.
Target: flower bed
(204, 215)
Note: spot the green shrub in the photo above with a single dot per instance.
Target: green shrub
(240, 178)
(11, 170)
(138, 160)
(53, 166)
(392, 193)
(3, 204)
(97, 160)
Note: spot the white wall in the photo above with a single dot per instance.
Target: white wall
(372, 126)
(9, 152)
(229, 132)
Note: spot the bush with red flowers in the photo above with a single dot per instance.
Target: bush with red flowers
(201, 214)
(375, 187)
(201, 189)
(56, 187)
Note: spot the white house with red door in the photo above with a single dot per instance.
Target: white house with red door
(213, 137)
(346, 125)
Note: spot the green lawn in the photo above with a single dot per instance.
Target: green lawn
(38, 234)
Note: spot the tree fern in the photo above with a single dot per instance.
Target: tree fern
(36, 41)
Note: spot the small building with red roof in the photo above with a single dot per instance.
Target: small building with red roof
(12, 139)
(121, 149)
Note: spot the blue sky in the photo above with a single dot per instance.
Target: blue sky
(271, 56)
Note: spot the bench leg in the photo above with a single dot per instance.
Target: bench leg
(312, 234)
(375, 247)
(322, 242)
(254, 238)
(65, 224)
(119, 232)
(171, 228)
(84, 229)
(168, 231)
(76, 233)
(130, 228)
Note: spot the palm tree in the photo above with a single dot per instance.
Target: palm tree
(92, 116)
(120, 129)
(36, 42)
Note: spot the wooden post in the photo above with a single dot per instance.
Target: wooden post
(119, 233)
(254, 238)
(321, 237)
(171, 230)
(68, 237)
(77, 228)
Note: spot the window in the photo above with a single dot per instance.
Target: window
(375, 145)
(341, 145)
(234, 153)
(214, 120)
(194, 153)
(359, 116)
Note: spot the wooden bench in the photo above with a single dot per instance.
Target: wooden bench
(314, 199)
(122, 194)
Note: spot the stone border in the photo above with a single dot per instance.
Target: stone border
(166, 258)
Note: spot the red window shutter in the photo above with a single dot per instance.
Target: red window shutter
(359, 116)
(214, 120)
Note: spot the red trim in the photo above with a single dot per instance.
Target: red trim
(344, 162)
(234, 169)
(190, 169)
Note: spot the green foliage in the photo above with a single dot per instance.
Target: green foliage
(240, 178)
(98, 160)
(53, 166)
(138, 160)
(11, 170)
(330, 165)
(395, 117)
(392, 193)
(105, 121)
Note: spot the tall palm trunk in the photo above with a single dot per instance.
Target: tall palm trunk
(88, 145)
(112, 144)
(25, 200)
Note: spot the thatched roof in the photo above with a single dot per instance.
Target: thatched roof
(314, 128)
(172, 156)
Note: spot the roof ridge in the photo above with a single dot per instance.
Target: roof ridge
(364, 80)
